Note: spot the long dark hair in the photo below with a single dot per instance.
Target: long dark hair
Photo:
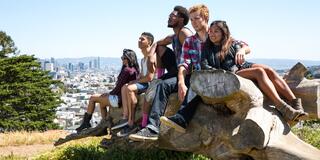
(132, 59)
(226, 41)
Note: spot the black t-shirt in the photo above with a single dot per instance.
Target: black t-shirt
(168, 61)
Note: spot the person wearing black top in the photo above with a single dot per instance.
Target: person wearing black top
(221, 52)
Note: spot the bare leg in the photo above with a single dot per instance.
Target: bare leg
(124, 99)
(280, 85)
(104, 102)
(132, 99)
(92, 104)
(265, 84)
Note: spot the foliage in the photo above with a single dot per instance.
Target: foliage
(12, 157)
(88, 149)
(6, 45)
(26, 100)
(309, 133)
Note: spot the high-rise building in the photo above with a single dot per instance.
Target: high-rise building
(90, 64)
(70, 67)
(52, 60)
(98, 62)
(95, 63)
(81, 66)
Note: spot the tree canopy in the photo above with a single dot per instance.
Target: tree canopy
(7, 45)
(26, 99)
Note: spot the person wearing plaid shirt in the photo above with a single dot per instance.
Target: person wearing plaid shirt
(190, 61)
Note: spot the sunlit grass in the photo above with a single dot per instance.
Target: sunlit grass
(88, 149)
(309, 133)
(12, 157)
(29, 138)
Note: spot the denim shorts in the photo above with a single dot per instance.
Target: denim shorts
(114, 101)
(141, 87)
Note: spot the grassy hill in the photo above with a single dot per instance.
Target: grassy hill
(88, 148)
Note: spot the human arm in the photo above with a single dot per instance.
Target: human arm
(151, 65)
(242, 50)
(183, 34)
(182, 88)
(183, 69)
(165, 41)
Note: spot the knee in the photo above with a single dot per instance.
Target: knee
(271, 72)
(260, 73)
(93, 98)
(130, 88)
(124, 88)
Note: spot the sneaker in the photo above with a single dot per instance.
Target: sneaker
(127, 130)
(174, 122)
(121, 123)
(144, 134)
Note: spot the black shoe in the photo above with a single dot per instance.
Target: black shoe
(144, 134)
(175, 122)
(85, 123)
(121, 123)
(83, 126)
(127, 130)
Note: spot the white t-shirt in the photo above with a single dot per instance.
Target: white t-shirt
(144, 67)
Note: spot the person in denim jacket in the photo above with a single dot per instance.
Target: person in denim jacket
(221, 52)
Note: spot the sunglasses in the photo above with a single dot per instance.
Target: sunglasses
(123, 58)
(224, 23)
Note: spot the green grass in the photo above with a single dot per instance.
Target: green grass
(309, 133)
(88, 149)
(12, 157)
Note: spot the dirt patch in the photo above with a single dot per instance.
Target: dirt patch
(28, 144)
(25, 150)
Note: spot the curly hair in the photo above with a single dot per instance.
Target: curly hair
(204, 10)
(183, 13)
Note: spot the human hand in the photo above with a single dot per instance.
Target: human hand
(182, 91)
(239, 59)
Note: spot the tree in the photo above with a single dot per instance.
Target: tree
(6, 45)
(26, 99)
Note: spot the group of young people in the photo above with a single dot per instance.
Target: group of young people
(211, 47)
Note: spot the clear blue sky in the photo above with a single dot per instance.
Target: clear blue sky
(79, 28)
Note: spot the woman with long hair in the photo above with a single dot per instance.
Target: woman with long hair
(129, 72)
(222, 51)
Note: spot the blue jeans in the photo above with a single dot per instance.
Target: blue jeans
(142, 87)
(159, 104)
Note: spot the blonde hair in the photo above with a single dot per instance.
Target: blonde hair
(204, 11)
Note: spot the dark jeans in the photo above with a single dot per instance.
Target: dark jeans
(161, 98)
(187, 111)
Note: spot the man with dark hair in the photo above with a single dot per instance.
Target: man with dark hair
(130, 90)
(178, 19)
(149, 36)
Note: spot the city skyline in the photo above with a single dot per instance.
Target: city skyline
(70, 29)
